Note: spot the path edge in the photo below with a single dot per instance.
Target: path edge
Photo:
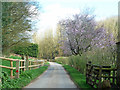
(70, 77)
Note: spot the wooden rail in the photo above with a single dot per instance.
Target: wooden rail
(95, 75)
(7, 67)
(9, 59)
(21, 65)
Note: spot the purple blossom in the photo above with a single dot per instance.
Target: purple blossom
(81, 33)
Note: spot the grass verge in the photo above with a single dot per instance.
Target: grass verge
(78, 78)
(24, 79)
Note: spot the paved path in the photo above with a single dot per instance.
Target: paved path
(54, 77)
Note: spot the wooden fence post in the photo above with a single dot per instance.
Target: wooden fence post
(24, 66)
(35, 64)
(30, 65)
(27, 62)
(87, 71)
(11, 70)
(17, 69)
(21, 65)
(100, 74)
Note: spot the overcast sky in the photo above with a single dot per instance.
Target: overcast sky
(54, 10)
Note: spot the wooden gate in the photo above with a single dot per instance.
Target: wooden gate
(95, 75)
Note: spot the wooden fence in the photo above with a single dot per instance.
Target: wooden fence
(95, 75)
(21, 65)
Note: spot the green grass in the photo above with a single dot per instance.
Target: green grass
(77, 77)
(59, 62)
(25, 78)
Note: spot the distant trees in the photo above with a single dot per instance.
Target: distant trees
(48, 45)
(58, 38)
(16, 23)
(111, 26)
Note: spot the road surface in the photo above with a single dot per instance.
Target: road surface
(54, 77)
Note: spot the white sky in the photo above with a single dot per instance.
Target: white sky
(53, 14)
(54, 10)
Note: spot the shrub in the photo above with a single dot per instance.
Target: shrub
(78, 62)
